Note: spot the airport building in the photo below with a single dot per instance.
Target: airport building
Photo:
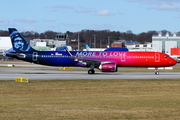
(47, 44)
(140, 47)
(5, 44)
(164, 43)
(133, 45)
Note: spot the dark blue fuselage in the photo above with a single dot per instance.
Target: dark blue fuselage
(50, 58)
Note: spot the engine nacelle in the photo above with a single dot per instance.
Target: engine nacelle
(108, 67)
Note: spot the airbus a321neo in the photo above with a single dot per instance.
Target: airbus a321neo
(106, 61)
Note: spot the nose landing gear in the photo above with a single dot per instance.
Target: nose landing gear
(156, 71)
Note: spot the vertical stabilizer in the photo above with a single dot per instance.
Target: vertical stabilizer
(87, 47)
(19, 44)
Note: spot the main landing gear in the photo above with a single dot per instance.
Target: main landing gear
(91, 71)
(156, 71)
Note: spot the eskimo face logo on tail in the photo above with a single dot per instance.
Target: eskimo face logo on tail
(18, 42)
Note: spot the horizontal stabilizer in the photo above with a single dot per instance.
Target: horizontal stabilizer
(17, 55)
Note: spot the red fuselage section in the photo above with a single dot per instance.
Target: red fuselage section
(128, 59)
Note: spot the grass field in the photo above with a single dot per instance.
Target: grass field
(90, 100)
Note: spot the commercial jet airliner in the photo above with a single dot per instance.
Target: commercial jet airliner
(106, 61)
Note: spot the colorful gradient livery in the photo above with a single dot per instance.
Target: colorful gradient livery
(106, 61)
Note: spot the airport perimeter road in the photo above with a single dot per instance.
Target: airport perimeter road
(51, 73)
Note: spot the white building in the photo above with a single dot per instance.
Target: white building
(140, 47)
(163, 44)
(5, 43)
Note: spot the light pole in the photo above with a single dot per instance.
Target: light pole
(78, 42)
(94, 41)
(108, 40)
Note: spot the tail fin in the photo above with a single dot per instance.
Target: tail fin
(87, 47)
(19, 44)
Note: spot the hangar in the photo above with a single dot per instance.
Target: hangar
(164, 43)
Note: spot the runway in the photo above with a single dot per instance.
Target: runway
(38, 72)
(84, 75)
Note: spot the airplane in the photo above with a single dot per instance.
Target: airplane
(87, 47)
(106, 61)
(92, 49)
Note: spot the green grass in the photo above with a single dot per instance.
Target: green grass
(90, 100)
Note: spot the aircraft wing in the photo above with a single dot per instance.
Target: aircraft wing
(88, 61)
(82, 59)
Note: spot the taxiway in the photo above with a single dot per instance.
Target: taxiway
(38, 72)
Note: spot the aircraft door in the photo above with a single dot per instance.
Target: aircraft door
(35, 55)
(123, 57)
(157, 57)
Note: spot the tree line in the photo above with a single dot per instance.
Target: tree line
(101, 37)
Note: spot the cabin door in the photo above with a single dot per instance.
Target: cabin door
(35, 55)
(123, 57)
(157, 57)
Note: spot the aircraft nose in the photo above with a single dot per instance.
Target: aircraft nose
(172, 61)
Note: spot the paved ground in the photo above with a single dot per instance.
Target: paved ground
(84, 75)
(38, 72)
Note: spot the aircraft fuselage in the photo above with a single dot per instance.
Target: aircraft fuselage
(122, 59)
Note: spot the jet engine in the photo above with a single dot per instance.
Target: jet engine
(108, 67)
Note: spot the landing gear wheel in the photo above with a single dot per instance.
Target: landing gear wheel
(157, 73)
(91, 71)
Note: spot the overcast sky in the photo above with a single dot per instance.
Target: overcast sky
(76, 15)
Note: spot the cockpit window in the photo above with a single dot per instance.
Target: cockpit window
(167, 56)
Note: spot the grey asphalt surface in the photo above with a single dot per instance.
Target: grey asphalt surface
(39, 72)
